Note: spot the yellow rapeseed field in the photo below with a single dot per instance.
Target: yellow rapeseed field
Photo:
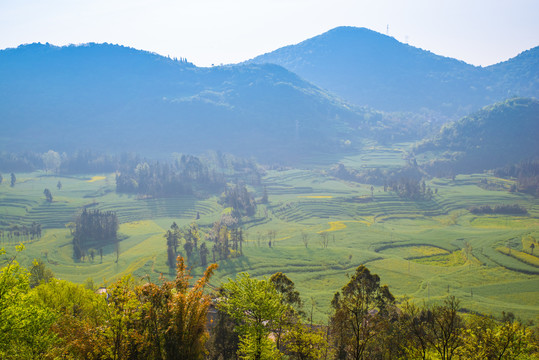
(334, 226)
(426, 251)
(340, 225)
(96, 178)
(519, 255)
(315, 196)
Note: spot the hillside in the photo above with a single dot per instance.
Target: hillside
(368, 68)
(114, 98)
(496, 136)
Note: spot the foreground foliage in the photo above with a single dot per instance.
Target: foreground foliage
(254, 319)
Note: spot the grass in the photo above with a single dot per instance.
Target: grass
(424, 250)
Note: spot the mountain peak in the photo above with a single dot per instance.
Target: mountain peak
(368, 68)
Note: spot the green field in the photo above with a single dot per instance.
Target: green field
(424, 250)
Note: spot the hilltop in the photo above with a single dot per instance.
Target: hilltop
(116, 98)
(369, 68)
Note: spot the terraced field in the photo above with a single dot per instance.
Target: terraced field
(424, 250)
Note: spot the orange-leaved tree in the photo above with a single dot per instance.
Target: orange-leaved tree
(174, 316)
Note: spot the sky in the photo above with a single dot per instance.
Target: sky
(206, 32)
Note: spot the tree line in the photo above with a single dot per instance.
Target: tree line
(407, 182)
(184, 176)
(506, 209)
(21, 232)
(79, 162)
(245, 318)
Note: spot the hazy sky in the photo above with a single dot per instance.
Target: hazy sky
(480, 32)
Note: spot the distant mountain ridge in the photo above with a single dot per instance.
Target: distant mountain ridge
(121, 99)
(369, 68)
(115, 98)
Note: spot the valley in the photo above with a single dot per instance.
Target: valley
(350, 196)
(315, 228)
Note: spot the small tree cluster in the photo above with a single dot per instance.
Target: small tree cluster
(48, 195)
(227, 241)
(411, 188)
(240, 200)
(94, 228)
(190, 237)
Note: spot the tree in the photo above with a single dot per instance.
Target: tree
(13, 180)
(174, 316)
(532, 246)
(305, 343)
(359, 309)
(224, 342)
(264, 199)
(25, 326)
(117, 249)
(81, 319)
(486, 338)
(414, 319)
(446, 327)
(290, 299)
(286, 287)
(48, 195)
(189, 248)
(39, 273)
(204, 252)
(120, 330)
(59, 185)
(305, 239)
(256, 306)
(324, 239)
(51, 160)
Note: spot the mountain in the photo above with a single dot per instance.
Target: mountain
(498, 135)
(115, 98)
(368, 68)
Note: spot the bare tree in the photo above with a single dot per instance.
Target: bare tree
(324, 239)
(117, 249)
(305, 239)
(445, 326)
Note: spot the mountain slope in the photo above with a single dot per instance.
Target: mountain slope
(496, 136)
(121, 99)
(368, 68)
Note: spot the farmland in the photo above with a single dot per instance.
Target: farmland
(323, 229)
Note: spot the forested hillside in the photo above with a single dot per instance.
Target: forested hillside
(114, 98)
(497, 136)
